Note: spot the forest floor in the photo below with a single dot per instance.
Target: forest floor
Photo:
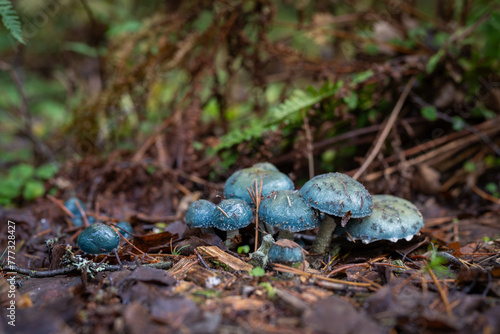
(446, 279)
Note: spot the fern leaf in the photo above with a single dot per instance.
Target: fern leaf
(290, 108)
(11, 20)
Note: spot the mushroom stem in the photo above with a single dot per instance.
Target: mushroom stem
(285, 234)
(324, 236)
(230, 235)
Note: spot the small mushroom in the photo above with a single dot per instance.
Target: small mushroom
(201, 214)
(98, 238)
(393, 218)
(336, 195)
(231, 215)
(266, 166)
(237, 184)
(286, 252)
(125, 229)
(288, 211)
(72, 205)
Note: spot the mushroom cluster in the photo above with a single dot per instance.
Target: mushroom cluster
(332, 201)
(230, 216)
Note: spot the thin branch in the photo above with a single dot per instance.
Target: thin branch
(386, 130)
(309, 144)
(74, 269)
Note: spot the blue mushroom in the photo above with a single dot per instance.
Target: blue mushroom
(231, 215)
(337, 195)
(200, 214)
(237, 184)
(98, 239)
(125, 229)
(266, 166)
(286, 252)
(288, 211)
(393, 218)
(72, 206)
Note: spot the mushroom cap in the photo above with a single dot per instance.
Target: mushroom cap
(287, 210)
(272, 180)
(285, 251)
(127, 227)
(200, 214)
(232, 214)
(266, 166)
(98, 239)
(336, 194)
(72, 206)
(393, 218)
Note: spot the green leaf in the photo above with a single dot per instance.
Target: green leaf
(10, 188)
(243, 249)
(290, 109)
(257, 272)
(469, 166)
(429, 113)
(361, 77)
(11, 20)
(458, 123)
(22, 172)
(434, 60)
(492, 188)
(351, 100)
(33, 189)
(46, 172)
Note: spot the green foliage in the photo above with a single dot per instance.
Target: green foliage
(492, 188)
(436, 265)
(271, 293)
(25, 181)
(434, 61)
(33, 189)
(243, 249)
(470, 166)
(257, 272)
(291, 108)
(177, 251)
(429, 113)
(458, 123)
(11, 20)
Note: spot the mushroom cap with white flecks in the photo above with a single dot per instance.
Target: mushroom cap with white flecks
(98, 239)
(200, 214)
(232, 214)
(266, 166)
(237, 184)
(287, 210)
(336, 194)
(393, 218)
(285, 251)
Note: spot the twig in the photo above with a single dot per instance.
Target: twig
(82, 212)
(133, 246)
(387, 128)
(255, 195)
(286, 269)
(68, 270)
(60, 205)
(440, 290)
(438, 154)
(201, 259)
(484, 137)
(485, 195)
(309, 144)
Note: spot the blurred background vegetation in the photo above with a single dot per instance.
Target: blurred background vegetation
(206, 87)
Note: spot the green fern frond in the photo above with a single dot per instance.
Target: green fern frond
(11, 20)
(290, 109)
